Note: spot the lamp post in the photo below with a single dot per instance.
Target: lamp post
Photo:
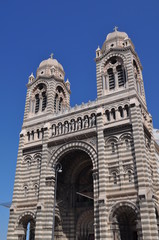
(58, 169)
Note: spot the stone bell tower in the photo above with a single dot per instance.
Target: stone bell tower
(120, 89)
(108, 187)
(48, 92)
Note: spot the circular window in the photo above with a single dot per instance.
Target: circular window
(113, 60)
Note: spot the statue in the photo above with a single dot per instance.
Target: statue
(79, 122)
(86, 122)
(53, 130)
(93, 120)
(66, 127)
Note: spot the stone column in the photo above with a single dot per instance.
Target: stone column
(142, 176)
(101, 227)
(12, 231)
(44, 217)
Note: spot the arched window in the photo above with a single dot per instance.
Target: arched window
(121, 112)
(121, 76)
(111, 79)
(107, 113)
(113, 113)
(32, 134)
(28, 135)
(114, 74)
(114, 177)
(59, 100)
(126, 110)
(130, 175)
(40, 98)
(44, 101)
(113, 147)
(37, 101)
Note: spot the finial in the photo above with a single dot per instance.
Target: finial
(51, 55)
(31, 78)
(115, 29)
(31, 75)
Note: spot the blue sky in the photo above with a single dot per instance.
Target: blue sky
(72, 30)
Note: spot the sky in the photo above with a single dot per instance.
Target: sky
(31, 30)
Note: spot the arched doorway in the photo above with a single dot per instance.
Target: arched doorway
(75, 196)
(124, 223)
(27, 227)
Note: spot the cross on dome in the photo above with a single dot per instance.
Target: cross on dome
(115, 29)
(51, 55)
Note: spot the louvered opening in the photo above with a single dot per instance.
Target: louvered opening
(55, 102)
(121, 112)
(111, 79)
(37, 103)
(121, 77)
(44, 101)
(60, 104)
(107, 115)
(113, 113)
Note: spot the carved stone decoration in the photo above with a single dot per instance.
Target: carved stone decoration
(93, 141)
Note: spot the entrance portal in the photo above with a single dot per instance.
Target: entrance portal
(75, 196)
(124, 223)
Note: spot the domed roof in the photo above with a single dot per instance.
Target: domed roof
(50, 62)
(116, 34)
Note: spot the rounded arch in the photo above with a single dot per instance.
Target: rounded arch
(78, 145)
(58, 85)
(112, 139)
(125, 136)
(60, 98)
(40, 81)
(36, 84)
(115, 55)
(28, 157)
(37, 155)
(119, 205)
(84, 221)
(25, 217)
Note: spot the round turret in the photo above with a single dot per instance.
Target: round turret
(116, 35)
(51, 67)
(116, 39)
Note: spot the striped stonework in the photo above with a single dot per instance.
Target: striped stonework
(90, 171)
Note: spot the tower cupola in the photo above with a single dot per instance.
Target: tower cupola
(116, 39)
(50, 67)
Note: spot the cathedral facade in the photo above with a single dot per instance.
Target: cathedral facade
(90, 171)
